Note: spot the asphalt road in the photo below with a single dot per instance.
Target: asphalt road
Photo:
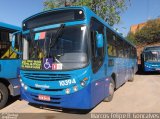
(142, 95)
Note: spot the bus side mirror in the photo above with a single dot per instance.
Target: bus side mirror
(13, 41)
(99, 40)
(16, 38)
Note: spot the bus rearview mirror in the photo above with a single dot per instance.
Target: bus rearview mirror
(99, 40)
(13, 41)
(15, 37)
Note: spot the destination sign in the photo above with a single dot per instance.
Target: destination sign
(53, 17)
(31, 64)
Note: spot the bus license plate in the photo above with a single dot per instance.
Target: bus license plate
(44, 97)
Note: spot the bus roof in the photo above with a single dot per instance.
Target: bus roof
(152, 48)
(88, 11)
(8, 26)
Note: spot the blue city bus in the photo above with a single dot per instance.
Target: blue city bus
(73, 59)
(9, 64)
(150, 59)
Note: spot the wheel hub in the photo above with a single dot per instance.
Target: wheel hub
(0, 96)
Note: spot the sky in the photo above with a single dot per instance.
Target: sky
(15, 11)
(138, 12)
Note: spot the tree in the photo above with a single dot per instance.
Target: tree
(131, 38)
(109, 10)
(150, 33)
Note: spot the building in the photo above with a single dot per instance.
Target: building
(134, 29)
(139, 26)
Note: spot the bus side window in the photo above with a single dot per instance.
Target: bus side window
(111, 43)
(4, 44)
(120, 47)
(97, 53)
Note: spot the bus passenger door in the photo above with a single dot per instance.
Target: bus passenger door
(98, 61)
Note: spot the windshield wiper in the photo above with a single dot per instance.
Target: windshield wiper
(54, 39)
(34, 45)
(57, 35)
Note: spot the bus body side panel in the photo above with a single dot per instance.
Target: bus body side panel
(122, 68)
(115, 67)
(120, 71)
(100, 90)
(9, 68)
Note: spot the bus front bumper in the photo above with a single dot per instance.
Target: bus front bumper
(78, 100)
(87, 98)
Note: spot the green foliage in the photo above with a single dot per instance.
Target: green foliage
(109, 10)
(131, 38)
(49, 4)
(149, 34)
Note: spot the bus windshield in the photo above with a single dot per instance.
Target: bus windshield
(67, 46)
(152, 56)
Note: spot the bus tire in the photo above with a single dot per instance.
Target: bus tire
(132, 76)
(111, 91)
(3, 95)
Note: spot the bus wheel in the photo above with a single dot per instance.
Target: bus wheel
(132, 76)
(3, 95)
(111, 91)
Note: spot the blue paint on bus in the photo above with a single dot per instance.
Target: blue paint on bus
(83, 86)
(150, 59)
(9, 26)
(9, 63)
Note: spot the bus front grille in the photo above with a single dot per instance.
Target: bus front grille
(56, 90)
(46, 77)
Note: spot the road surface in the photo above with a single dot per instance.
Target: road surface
(142, 95)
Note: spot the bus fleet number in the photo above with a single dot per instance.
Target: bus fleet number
(67, 82)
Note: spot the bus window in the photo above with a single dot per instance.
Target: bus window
(126, 50)
(5, 45)
(97, 53)
(111, 44)
(119, 47)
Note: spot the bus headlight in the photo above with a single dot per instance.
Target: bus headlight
(25, 87)
(67, 91)
(20, 80)
(75, 88)
(83, 82)
(22, 84)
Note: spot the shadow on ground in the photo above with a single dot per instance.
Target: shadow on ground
(64, 110)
